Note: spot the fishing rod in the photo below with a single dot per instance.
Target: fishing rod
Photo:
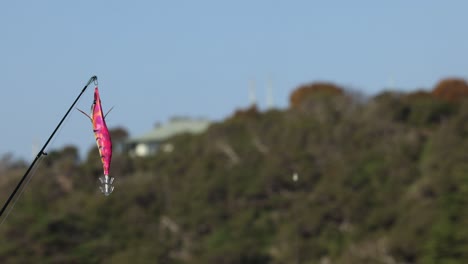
(41, 152)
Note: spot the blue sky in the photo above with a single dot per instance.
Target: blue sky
(157, 59)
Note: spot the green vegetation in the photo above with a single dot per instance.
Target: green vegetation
(383, 180)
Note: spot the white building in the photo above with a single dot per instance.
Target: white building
(157, 139)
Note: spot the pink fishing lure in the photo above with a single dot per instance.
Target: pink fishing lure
(103, 141)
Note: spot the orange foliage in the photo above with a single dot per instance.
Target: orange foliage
(318, 88)
(451, 89)
(245, 113)
(420, 94)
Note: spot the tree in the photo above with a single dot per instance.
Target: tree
(300, 94)
(451, 89)
(119, 136)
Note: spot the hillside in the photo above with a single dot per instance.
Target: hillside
(332, 179)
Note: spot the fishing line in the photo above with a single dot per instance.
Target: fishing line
(33, 172)
(28, 180)
(42, 151)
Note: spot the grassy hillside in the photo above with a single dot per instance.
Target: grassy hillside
(332, 179)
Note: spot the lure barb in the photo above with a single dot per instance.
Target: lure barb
(106, 184)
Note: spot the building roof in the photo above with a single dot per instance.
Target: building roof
(175, 126)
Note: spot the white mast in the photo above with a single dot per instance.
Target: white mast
(252, 96)
(269, 94)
